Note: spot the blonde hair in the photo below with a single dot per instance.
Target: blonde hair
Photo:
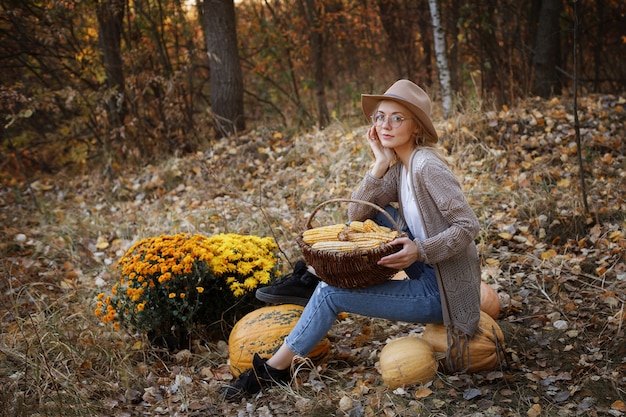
(424, 140)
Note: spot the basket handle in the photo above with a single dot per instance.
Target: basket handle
(349, 200)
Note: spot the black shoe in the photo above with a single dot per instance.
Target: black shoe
(251, 381)
(295, 288)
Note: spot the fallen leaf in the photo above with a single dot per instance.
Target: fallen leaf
(471, 393)
(534, 411)
(423, 392)
(619, 406)
(345, 403)
(102, 243)
(206, 373)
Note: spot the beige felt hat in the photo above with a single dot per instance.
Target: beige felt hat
(408, 94)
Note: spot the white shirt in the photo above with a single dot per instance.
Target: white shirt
(411, 213)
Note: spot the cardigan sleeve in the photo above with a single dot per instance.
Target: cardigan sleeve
(379, 191)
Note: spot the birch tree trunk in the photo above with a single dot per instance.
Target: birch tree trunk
(441, 57)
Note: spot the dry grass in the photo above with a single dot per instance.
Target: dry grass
(57, 360)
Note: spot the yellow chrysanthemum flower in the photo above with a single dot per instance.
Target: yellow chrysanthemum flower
(156, 274)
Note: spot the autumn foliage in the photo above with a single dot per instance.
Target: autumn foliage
(115, 82)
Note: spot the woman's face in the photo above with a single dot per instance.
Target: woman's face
(395, 126)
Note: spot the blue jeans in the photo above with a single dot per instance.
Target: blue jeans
(411, 300)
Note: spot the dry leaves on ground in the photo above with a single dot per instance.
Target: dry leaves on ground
(559, 271)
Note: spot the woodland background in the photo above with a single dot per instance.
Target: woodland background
(119, 121)
(119, 81)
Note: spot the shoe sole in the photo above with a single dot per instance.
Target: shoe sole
(280, 299)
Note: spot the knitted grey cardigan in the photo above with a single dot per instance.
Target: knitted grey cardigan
(451, 227)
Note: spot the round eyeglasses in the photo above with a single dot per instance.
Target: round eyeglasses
(394, 121)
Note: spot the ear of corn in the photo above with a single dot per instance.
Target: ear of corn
(357, 226)
(382, 237)
(369, 225)
(336, 246)
(369, 244)
(322, 233)
(339, 246)
(346, 238)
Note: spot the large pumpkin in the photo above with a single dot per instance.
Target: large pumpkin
(486, 348)
(263, 331)
(489, 300)
(407, 361)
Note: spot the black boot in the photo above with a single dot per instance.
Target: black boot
(295, 288)
(251, 381)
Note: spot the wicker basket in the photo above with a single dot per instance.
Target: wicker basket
(355, 269)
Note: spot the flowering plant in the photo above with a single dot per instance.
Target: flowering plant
(176, 282)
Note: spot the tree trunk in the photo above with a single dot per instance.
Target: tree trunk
(110, 14)
(442, 59)
(453, 17)
(313, 17)
(226, 76)
(399, 18)
(548, 50)
(597, 51)
(425, 70)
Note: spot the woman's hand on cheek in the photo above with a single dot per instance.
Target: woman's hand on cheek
(383, 156)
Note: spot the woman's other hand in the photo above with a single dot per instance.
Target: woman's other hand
(404, 257)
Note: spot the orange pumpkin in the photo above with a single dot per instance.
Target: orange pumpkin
(407, 361)
(489, 300)
(486, 348)
(263, 331)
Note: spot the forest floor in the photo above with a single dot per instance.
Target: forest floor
(560, 272)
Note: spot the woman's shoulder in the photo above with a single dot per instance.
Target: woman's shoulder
(429, 165)
(424, 156)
